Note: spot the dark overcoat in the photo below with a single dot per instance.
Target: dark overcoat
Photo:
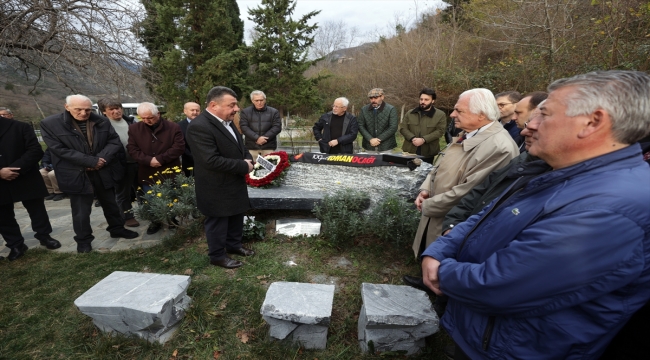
(20, 148)
(165, 143)
(323, 135)
(71, 155)
(219, 167)
(188, 160)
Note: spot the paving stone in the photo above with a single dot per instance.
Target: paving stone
(143, 304)
(395, 318)
(299, 302)
(299, 312)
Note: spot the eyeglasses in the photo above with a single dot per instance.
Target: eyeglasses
(501, 105)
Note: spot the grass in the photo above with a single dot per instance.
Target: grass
(38, 319)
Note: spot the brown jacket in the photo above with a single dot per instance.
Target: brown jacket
(166, 144)
(459, 168)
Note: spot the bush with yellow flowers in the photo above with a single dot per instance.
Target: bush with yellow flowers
(171, 199)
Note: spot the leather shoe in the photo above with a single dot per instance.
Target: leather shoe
(124, 233)
(417, 283)
(227, 263)
(50, 243)
(84, 248)
(17, 252)
(132, 222)
(50, 197)
(242, 251)
(153, 228)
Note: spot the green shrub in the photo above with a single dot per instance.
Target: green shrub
(253, 230)
(394, 219)
(171, 197)
(341, 216)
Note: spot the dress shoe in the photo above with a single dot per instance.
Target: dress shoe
(227, 263)
(50, 243)
(17, 252)
(58, 197)
(241, 251)
(124, 233)
(132, 222)
(50, 197)
(84, 248)
(153, 228)
(417, 283)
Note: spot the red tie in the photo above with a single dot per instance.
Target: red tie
(460, 140)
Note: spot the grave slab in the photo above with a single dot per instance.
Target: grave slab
(395, 318)
(147, 305)
(299, 312)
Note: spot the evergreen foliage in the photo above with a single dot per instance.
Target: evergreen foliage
(193, 45)
(278, 57)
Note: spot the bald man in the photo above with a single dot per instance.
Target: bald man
(85, 153)
(191, 111)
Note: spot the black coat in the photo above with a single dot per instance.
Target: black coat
(219, 167)
(71, 155)
(20, 148)
(188, 159)
(254, 123)
(350, 129)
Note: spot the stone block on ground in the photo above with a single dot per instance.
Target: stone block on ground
(395, 318)
(146, 305)
(299, 312)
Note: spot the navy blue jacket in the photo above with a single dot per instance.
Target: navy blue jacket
(554, 270)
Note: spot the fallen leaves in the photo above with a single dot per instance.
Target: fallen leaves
(223, 305)
(189, 272)
(242, 336)
(216, 354)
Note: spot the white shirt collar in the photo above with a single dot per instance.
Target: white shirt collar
(481, 129)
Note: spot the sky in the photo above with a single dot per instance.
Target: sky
(372, 17)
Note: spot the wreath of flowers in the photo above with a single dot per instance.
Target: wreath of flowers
(273, 178)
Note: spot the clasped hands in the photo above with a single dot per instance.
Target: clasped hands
(9, 173)
(100, 164)
(430, 268)
(375, 142)
(417, 142)
(262, 140)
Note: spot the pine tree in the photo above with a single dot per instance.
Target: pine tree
(278, 57)
(193, 45)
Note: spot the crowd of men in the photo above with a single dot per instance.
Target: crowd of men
(535, 221)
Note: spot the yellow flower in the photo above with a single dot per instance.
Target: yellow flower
(150, 177)
(139, 188)
(149, 192)
(175, 200)
(190, 168)
(159, 195)
(158, 182)
(178, 171)
(175, 167)
(184, 185)
(170, 204)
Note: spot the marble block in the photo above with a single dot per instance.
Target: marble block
(299, 312)
(395, 318)
(143, 304)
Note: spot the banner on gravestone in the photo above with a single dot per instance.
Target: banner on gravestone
(359, 160)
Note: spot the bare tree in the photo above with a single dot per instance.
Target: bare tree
(90, 38)
(332, 36)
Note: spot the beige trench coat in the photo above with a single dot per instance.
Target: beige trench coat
(460, 167)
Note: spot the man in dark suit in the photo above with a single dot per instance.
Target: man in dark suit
(220, 165)
(20, 180)
(191, 111)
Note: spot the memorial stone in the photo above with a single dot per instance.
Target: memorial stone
(146, 305)
(299, 312)
(395, 318)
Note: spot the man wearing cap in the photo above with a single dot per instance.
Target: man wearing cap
(378, 123)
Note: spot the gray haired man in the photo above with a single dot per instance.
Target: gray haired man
(261, 124)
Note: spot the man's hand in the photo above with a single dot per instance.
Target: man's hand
(333, 143)
(250, 165)
(9, 173)
(430, 274)
(262, 140)
(421, 197)
(100, 164)
(375, 142)
(417, 142)
(154, 163)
